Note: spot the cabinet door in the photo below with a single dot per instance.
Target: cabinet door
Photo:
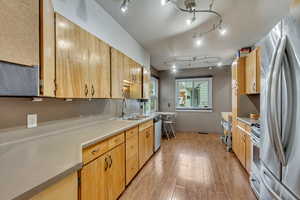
(253, 72)
(72, 78)
(47, 65)
(116, 74)
(235, 138)
(248, 153)
(149, 142)
(136, 87)
(132, 157)
(116, 178)
(94, 179)
(242, 147)
(99, 68)
(19, 35)
(146, 83)
(126, 69)
(142, 148)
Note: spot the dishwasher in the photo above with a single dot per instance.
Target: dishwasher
(157, 133)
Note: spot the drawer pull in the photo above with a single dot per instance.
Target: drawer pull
(106, 164)
(110, 164)
(95, 151)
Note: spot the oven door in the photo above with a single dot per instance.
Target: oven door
(256, 163)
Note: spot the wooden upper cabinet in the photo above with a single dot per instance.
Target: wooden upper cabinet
(19, 35)
(99, 68)
(253, 72)
(126, 69)
(47, 49)
(146, 83)
(117, 62)
(136, 77)
(238, 85)
(72, 78)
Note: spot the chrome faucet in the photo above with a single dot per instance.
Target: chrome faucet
(124, 107)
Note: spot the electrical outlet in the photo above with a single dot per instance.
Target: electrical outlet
(31, 120)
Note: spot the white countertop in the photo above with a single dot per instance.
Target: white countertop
(32, 158)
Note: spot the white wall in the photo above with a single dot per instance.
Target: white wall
(93, 18)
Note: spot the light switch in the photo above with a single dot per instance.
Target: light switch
(31, 120)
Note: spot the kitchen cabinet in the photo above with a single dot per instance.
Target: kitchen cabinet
(252, 73)
(132, 153)
(99, 68)
(71, 60)
(82, 62)
(242, 144)
(47, 49)
(104, 177)
(146, 83)
(19, 36)
(66, 189)
(145, 142)
(117, 62)
(136, 80)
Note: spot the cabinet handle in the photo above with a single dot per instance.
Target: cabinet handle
(110, 164)
(95, 151)
(106, 164)
(93, 90)
(254, 86)
(86, 90)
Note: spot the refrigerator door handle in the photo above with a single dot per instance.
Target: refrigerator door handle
(274, 105)
(270, 97)
(289, 101)
(268, 187)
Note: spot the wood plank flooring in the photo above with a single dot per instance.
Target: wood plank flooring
(191, 167)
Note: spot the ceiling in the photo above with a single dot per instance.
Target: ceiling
(163, 32)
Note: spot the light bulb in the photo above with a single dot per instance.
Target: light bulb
(124, 6)
(163, 2)
(222, 31)
(219, 64)
(188, 21)
(174, 66)
(199, 42)
(174, 70)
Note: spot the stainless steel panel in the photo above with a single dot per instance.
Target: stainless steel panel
(272, 189)
(17, 80)
(291, 173)
(268, 46)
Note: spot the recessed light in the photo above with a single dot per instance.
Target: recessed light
(199, 42)
(188, 21)
(174, 66)
(219, 64)
(174, 70)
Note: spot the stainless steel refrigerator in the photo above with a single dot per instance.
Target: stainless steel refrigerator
(280, 111)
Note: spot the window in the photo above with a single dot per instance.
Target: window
(152, 104)
(194, 94)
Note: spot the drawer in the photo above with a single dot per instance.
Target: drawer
(132, 132)
(94, 151)
(115, 141)
(145, 125)
(132, 146)
(132, 167)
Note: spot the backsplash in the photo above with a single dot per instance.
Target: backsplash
(14, 110)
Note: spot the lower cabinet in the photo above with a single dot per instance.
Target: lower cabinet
(104, 178)
(66, 189)
(132, 154)
(242, 144)
(145, 144)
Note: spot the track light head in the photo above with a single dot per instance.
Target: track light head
(124, 6)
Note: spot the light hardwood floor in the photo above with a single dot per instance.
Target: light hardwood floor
(191, 167)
